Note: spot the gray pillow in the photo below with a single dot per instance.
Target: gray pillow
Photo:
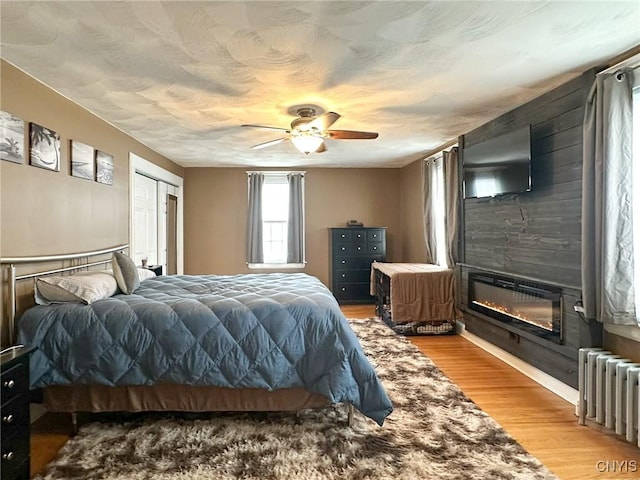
(126, 273)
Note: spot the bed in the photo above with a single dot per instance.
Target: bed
(415, 298)
(200, 343)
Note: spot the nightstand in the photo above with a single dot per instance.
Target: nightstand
(14, 414)
(157, 269)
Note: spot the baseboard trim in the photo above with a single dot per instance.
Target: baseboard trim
(561, 389)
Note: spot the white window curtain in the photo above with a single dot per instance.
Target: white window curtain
(440, 208)
(608, 273)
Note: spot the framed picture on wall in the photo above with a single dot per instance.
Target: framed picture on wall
(44, 147)
(104, 168)
(82, 160)
(11, 138)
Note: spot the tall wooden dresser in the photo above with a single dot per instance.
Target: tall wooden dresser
(353, 249)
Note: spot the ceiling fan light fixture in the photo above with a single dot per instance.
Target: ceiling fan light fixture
(306, 143)
(308, 132)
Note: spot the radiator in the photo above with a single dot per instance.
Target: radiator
(608, 392)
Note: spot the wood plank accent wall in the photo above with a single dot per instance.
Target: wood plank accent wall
(535, 234)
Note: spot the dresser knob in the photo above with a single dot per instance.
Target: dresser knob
(344, 275)
(8, 456)
(343, 249)
(359, 248)
(7, 419)
(375, 248)
(343, 261)
(344, 289)
(9, 384)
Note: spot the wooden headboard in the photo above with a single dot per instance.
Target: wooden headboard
(16, 299)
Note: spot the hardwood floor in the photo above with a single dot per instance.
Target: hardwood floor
(543, 423)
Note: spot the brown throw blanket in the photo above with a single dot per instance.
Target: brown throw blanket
(419, 291)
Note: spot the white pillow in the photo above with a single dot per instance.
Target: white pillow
(84, 287)
(144, 273)
(126, 273)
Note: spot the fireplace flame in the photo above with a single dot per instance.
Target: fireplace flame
(517, 314)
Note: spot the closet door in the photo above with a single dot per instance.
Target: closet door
(172, 234)
(145, 220)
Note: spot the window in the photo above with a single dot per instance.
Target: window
(439, 208)
(275, 210)
(276, 220)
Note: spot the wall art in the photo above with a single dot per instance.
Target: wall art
(11, 138)
(104, 168)
(44, 147)
(82, 160)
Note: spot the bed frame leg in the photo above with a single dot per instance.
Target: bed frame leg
(350, 415)
(74, 422)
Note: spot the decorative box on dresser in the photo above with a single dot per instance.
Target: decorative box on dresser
(14, 414)
(353, 249)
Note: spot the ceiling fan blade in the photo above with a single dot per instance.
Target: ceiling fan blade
(268, 144)
(351, 135)
(324, 121)
(322, 148)
(264, 126)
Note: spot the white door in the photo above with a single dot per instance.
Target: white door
(145, 221)
(149, 188)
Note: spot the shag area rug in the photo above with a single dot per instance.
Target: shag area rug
(434, 433)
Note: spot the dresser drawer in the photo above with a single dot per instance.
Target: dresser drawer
(341, 236)
(14, 461)
(351, 276)
(14, 381)
(343, 249)
(374, 247)
(359, 235)
(343, 291)
(353, 263)
(375, 235)
(359, 248)
(14, 415)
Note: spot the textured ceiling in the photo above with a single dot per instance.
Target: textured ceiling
(181, 77)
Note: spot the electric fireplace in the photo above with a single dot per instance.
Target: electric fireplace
(529, 306)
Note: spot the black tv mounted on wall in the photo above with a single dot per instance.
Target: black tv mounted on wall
(499, 165)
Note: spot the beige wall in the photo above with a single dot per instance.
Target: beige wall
(216, 214)
(44, 212)
(412, 233)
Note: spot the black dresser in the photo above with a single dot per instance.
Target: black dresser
(14, 414)
(353, 249)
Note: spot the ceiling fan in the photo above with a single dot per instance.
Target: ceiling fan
(308, 132)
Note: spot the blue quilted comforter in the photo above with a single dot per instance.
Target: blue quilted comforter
(266, 331)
